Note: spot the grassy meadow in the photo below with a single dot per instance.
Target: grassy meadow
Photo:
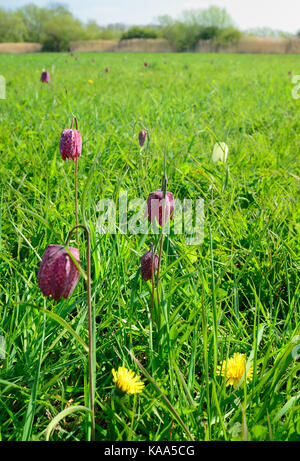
(236, 292)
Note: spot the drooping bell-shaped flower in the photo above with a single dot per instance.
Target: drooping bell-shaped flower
(45, 77)
(58, 275)
(142, 137)
(146, 64)
(159, 208)
(146, 265)
(70, 144)
(107, 69)
(220, 152)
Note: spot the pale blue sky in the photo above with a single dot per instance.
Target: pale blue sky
(276, 14)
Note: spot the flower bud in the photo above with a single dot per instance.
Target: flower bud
(156, 204)
(146, 265)
(220, 152)
(107, 69)
(45, 77)
(146, 64)
(142, 137)
(70, 144)
(58, 275)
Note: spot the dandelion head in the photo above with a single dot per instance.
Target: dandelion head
(126, 381)
(234, 369)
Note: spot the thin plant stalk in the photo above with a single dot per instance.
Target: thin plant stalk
(158, 267)
(76, 198)
(153, 283)
(164, 189)
(147, 152)
(133, 416)
(214, 305)
(52, 90)
(171, 429)
(76, 183)
(27, 429)
(91, 326)
(143, 157)
(205, 361)
(133, 131)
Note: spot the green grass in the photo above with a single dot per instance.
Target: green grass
(236, 292)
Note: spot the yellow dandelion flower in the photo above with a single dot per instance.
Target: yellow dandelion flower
(234, 369)
(126, 381)
(91, 81)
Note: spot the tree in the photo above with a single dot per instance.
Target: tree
(93, 30)
(180, 35)
(12, 28)
(210, 17)
(211, 24)
(227, 36)
(34, 19)
(139, 32)
(267, 32)
(60, 29)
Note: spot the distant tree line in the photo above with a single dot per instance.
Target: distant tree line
(55, 27)
(205, 24)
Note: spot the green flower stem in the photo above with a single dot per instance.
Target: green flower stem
(76, 182)
(91, 323)
(76, 200)
(133, 416)
(164, 189)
